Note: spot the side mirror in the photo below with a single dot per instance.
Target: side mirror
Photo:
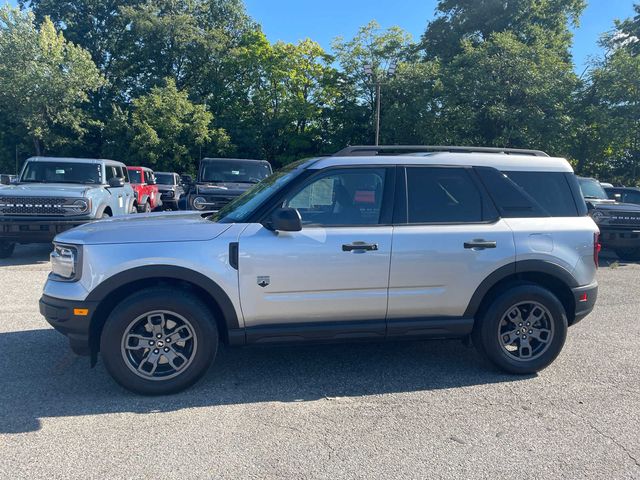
(116, 182)
(286, 220)
(617, 197)
(152, 181)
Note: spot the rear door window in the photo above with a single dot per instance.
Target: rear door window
(442, 195)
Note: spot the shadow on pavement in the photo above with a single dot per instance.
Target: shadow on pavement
(28, 255)
(41, 378)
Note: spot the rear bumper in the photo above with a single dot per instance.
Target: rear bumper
(67, 317)
(36, 229)
(585, 300)
(620, 238)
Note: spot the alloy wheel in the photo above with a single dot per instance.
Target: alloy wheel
(526, 331)
(159, 345)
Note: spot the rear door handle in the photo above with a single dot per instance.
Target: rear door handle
(480, 244)
(349, 247)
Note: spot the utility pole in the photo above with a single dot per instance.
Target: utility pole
(377, 79)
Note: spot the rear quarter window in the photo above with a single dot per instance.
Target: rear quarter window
(550, 189)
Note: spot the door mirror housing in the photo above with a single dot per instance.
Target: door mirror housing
(286, 220)
(116, 182)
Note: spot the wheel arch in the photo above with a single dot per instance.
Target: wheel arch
(546, 274)
(116, 288)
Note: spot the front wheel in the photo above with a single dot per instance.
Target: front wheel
(523, 330)
(6, 249)
(629, 254)
(156, 342)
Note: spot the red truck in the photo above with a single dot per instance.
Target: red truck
(144, 186)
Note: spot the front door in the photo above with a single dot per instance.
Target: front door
(334, 271)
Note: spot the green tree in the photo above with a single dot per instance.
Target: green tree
(531, 21)
(167, 131)
(44, 81)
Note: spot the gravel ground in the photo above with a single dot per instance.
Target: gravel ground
(394, 410)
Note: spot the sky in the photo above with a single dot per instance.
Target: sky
(323, 20)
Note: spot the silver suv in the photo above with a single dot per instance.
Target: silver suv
(371, 243)
(53, 195)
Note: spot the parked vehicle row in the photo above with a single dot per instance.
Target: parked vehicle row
(495, 244)
(617, 218)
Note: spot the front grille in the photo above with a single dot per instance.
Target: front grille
(32, 206)
(625, 219)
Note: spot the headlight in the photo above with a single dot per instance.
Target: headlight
(65, 262)
(598, 216)
(79, 206)
(199, 203)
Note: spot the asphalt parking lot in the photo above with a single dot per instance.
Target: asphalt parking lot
(394, 410)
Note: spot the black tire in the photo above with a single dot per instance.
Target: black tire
(629, 254)
(202, 346)
(486, 334)
(105, 215)
(146, 208)
(6, 249)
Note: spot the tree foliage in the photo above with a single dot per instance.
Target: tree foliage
(164, 82)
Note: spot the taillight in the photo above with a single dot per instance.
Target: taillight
(596, 249)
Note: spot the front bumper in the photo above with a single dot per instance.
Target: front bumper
(36, 229)
(619, 237)
(585, 300)
(71, 318)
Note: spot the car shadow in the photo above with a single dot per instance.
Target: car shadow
(609, 258)
(35, 254)
(41, 378)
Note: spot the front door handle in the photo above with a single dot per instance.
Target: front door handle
(480, 244)
(349, 247)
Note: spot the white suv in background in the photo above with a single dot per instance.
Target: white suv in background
(371, 243)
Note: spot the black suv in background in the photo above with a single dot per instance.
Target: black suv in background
(220, 180)
(624, 194)
(619, 222)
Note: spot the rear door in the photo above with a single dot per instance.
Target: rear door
(335, 272)
(447, 239)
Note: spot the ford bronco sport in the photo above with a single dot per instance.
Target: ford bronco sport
(220, 180)
(619, 223)
(55, 194)
(371, 243)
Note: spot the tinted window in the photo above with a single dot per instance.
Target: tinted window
(591, 188)
(136, 176)
(442, 195)
(237, 171)
(62, 172)
(148, 176)
(550, 189)
(511, 200)
(631, 197)
(110, 172)
(165, 178)
(341, 197)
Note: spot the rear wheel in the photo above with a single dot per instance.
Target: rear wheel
(523, 330)
(156, 342)
(6, 249)
(631, 254)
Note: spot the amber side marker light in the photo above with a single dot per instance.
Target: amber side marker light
(81, 312)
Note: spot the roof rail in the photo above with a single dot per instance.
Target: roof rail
(364, 150)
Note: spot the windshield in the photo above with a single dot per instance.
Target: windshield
(62, 172)
(236, 171)
(592, 189)
(239, 209)
(164, 179)
(135, 176)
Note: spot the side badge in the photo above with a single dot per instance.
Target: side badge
(264, 281)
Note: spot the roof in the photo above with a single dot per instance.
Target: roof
(133, 167)
(73, 160)
(235, 159)
(500, 161)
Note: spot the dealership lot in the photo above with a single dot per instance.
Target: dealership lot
(395, 410)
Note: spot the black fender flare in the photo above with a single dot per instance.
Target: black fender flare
(524, 266)
(170, 272)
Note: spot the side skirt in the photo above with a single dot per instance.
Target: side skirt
(328, 332)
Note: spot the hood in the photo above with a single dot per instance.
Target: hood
(613, 206)
(147, 228)
(47, 190)
(223, 188)
(166, 188)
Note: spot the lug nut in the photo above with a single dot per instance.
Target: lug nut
(151, 342)
(524, 336)
(166, 349)
(168, 339)
(530, 332)
(158, 336)
(156, 351)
